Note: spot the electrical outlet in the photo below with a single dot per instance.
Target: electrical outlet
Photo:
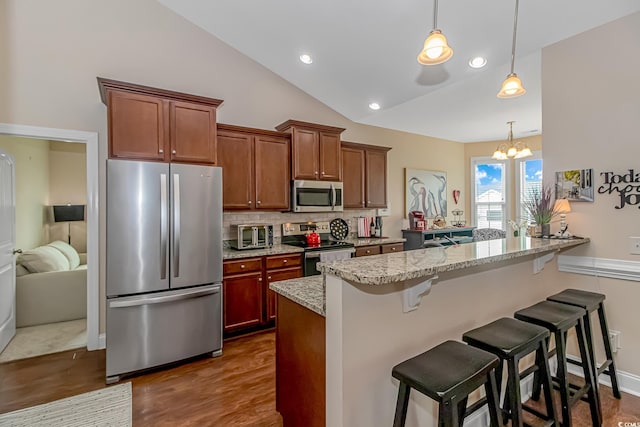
(634, 245)
(615, 339)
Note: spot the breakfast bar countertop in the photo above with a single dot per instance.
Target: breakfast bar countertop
(306, 291)
(401, 266)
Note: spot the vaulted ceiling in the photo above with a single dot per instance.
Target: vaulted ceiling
(365, 51)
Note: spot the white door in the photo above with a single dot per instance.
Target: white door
(7, 241)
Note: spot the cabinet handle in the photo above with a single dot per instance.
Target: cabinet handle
(316, 172)
(322, 173)
(259, 279)
(258, 202)
(161, 151)
(241, 265)
(368, 202)
(249, 202)
(285, 260)
(368, 251)
(269, 277)
(393, 249)
(173, 152)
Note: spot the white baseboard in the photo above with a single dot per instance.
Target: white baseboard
(627, 382)
(102, 341)
(604, 267)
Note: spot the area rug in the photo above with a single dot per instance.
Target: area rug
(34, 341)
(109, 406)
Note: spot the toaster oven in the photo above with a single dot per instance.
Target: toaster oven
(252, 236)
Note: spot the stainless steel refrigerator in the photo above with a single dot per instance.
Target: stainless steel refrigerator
(164, 264)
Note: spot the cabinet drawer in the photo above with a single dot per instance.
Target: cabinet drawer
(280, 261)
(368, 250)
(392, 247)
(241, 266)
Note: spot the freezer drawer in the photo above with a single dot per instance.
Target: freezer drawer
(154, 329)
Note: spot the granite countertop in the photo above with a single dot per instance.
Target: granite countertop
(400, 266)
(306, 291)
(367, 241)
(229, 253)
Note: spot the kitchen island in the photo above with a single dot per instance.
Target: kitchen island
(381, 310)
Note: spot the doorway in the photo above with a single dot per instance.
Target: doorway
(92, 229)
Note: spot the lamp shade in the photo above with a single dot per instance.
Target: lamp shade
(436, 50)
(67, 213)
(562, 206)
(511, 87)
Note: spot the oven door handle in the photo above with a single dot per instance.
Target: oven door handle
(312, 255)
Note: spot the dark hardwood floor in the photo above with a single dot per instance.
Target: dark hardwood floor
(237, 389)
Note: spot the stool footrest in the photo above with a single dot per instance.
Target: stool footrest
(535, 412)
(475, 406)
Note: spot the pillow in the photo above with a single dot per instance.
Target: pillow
(68, 251)
(43, 259)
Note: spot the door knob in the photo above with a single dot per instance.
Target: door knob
(17, 251)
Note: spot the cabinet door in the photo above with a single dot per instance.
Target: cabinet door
(193, 133)
(138, 126)
(305, 150)
(353, 166)
(235, 156)
(272, 176)
(330, 163)
(275, 276)
(242, 301)
(376, 178)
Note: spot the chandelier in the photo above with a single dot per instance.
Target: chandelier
(509, 150)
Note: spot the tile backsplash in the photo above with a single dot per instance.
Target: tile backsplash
(279, 218)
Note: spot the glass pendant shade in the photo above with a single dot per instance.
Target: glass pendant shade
(436, 50)
(511, 87)
(525, 152)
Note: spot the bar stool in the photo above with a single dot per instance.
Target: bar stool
(511, 340)
(559, 319)
(591, 301)
(447, 373)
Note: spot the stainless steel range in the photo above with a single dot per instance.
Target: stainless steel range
(329, 249)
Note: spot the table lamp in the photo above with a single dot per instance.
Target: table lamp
(563, 207)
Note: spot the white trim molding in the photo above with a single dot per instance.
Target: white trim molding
(93, 247)
(627, 382)
(102, 341)
(604, 267)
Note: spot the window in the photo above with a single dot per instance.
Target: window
(489, 193)
(529, 181)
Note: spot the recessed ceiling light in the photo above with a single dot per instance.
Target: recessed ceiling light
(374, 106)
(306, 58)
(477, 62)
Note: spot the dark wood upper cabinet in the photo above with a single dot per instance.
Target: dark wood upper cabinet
(353, 171)
(255, 168)
(315, 150)
(146, 123)
(365, 175)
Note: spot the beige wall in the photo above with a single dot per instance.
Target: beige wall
(486, 149)
(590, 112)
(51, 53)
(68, 185)
(32, 189)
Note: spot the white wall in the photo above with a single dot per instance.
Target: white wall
(52, 52)
(32, 188)
(590, 110)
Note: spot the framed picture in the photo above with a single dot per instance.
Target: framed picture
(425, 191)
(575, 185)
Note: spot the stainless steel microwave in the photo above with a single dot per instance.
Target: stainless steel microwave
(316, 196)
(252, 236)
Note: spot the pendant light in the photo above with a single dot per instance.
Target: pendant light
(509, 150)
(436, 50)
(512, 85)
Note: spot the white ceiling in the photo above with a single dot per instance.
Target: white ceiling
(365, 51)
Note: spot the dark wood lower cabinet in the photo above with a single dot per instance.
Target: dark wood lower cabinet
(249, 304)
(300, 365)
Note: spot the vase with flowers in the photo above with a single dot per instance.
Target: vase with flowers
(541, 207)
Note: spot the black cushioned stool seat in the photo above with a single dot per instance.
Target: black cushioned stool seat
(559, 319)
(447, 373)
(511, 340)
(591, 301)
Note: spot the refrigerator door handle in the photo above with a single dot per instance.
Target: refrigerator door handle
(163, 226)
(159, 299)
(176, 225)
